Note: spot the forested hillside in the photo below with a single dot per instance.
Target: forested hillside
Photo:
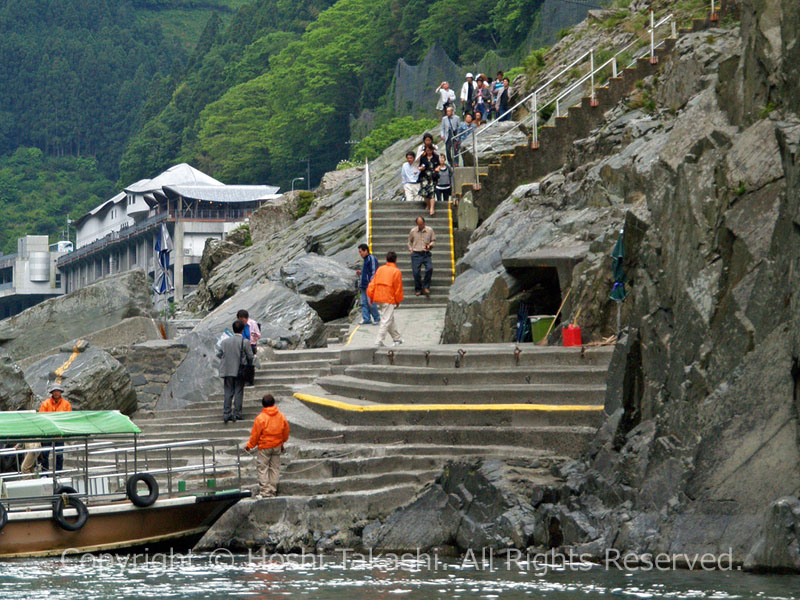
(75, 76)
(265, 97)
(246, 90)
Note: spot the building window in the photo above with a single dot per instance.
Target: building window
(133, 255)
(58, 280)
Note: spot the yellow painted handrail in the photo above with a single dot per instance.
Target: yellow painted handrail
(452, 242)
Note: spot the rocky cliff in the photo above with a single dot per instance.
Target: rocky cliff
(700, 166)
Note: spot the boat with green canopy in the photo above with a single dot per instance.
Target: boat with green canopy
(113, 493)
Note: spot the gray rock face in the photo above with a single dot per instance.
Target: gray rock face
(700, 447)
(59, 320)
(94, 380)
(274, 216)
(327, 286)
(477, 503)
(151, 366)
(286, 322)
(779, 547)
(15, 393)
(478, 308)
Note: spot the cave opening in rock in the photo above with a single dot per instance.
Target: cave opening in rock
(540, 290)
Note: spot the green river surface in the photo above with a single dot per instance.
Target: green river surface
(221, 575)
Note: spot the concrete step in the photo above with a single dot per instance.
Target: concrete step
(457, 418)
(304, 355)
(494, 355)
(325, 511)
(423, 376)
(352, 483)
(311, 364)
(390, 393)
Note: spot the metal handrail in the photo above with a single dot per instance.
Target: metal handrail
(590, 75)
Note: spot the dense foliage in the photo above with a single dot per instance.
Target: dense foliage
(74, 73)
(387, 134)
(246, 90)
(265, 97)
(37, 192)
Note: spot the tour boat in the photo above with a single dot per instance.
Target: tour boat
(109, 498)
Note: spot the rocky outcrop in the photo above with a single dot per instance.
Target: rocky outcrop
(287, 321)
(327, 286)
(92, 379)
(150, 366)
(333, 226)
(92, 308)
(274, 216)
(475, 504)
(700, 449)
(216, 251)
(15, 393)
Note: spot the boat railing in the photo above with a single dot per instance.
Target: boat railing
(92, 481)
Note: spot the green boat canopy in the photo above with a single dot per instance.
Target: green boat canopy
(26, 425)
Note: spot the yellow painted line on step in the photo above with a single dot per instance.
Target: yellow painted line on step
(350, 337)
(446, 407)
(452, 242)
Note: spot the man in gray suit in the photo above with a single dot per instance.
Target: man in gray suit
(230, 351)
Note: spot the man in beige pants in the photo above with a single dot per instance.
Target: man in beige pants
(269, 434)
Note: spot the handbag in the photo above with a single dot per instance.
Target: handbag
(247, 370)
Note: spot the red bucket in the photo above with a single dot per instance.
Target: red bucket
(571, 335)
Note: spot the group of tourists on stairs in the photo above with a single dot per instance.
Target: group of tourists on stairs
(426, 175)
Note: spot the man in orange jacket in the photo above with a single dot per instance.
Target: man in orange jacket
(55, 403)
(386, 290)
(270, 432)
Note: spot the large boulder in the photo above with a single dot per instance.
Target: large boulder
(778, 548)
(474, 504)
(151, 365)
(92, 379)
(286, 322)
(92, 308)
(15, 393)
(274, 216)
(478, 308)
(327, 286)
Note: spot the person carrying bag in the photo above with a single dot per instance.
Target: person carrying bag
(234, 369)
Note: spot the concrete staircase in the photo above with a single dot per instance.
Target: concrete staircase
(391, 222)
(374, 461)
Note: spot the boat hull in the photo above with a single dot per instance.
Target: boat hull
(114, 526)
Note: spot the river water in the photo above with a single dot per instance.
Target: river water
(218, 576)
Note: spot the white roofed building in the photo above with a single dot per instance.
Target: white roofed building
(118, 235)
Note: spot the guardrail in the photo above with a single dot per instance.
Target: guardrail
(545, 96)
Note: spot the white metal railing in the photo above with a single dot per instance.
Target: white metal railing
(545, 96)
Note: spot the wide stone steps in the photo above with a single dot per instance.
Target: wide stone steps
(424, 376)
(552, 416)
(530, 393)
(448, 356)
(301, 486)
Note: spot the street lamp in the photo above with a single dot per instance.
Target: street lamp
(308, 172)
(296, 179)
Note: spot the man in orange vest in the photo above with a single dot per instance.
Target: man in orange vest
(269, 434)
(55, 403)
(386, 290)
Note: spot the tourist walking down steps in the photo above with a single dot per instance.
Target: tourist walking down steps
(386, 290)
(231, 351)
(421, 240)
(270, 432)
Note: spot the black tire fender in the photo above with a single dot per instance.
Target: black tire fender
(58, 512)
(131, 488)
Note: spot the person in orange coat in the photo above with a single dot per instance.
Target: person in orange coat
(269, 434)
(55, 403)
(386, 290)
